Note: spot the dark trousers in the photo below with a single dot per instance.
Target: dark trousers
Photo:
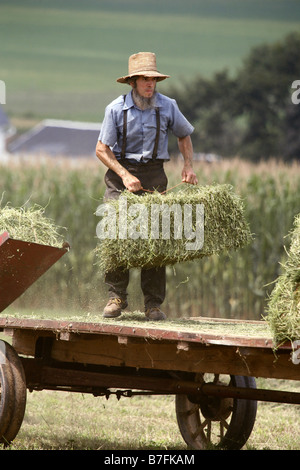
(153, 281)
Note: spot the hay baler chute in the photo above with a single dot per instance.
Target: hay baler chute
(21, 264)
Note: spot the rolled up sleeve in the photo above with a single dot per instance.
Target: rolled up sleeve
(108, 132)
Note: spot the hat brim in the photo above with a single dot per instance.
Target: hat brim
(146, 73)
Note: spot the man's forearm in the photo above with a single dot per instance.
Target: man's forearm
(106, 156)
(186, 148)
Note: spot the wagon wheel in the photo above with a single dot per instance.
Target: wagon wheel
(12, 393)
(211, 422)
(6, 397)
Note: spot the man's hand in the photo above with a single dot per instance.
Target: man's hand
(188, 175)
(131, 183)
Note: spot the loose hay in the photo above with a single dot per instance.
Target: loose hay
(30, 225)
(225, 228)
(137, 319)
(283, 309)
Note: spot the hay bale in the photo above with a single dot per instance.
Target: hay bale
(30, 225)
(283, 309)
(224, 228)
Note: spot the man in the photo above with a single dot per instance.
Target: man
(133, 144)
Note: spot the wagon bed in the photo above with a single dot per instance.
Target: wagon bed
(105, 358)
(201, 346)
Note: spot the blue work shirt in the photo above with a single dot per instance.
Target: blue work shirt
(141, 127)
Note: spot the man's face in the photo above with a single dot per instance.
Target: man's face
(145, 86)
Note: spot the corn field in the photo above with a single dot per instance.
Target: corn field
(234, 285)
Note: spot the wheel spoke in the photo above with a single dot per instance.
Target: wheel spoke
(200, 429)
(221, 430)
(208, 431)
(216, 378)
(224, 424)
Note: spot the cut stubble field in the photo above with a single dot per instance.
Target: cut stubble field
(62, 61)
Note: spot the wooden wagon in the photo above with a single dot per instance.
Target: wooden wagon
(211, 374)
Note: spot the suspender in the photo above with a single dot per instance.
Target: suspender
(124, 134)
(154, 154)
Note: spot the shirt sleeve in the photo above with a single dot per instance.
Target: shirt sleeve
(108, 132)
(179, 125)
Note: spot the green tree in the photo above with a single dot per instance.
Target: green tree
(263, 98)
(251, 114)
(206, 103)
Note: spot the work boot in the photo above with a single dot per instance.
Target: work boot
(114, 308)
(155, 314)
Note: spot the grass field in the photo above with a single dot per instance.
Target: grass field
(60, 59)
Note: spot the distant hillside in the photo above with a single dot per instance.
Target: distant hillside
(61, 58)
(282, 10)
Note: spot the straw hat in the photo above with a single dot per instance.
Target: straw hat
(142, 63)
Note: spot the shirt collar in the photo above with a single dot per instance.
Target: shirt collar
(128, 102)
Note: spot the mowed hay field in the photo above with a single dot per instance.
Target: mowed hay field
(61, 58)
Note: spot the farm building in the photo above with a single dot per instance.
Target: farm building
(73, 139)
(6, 131)
(58, 138)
